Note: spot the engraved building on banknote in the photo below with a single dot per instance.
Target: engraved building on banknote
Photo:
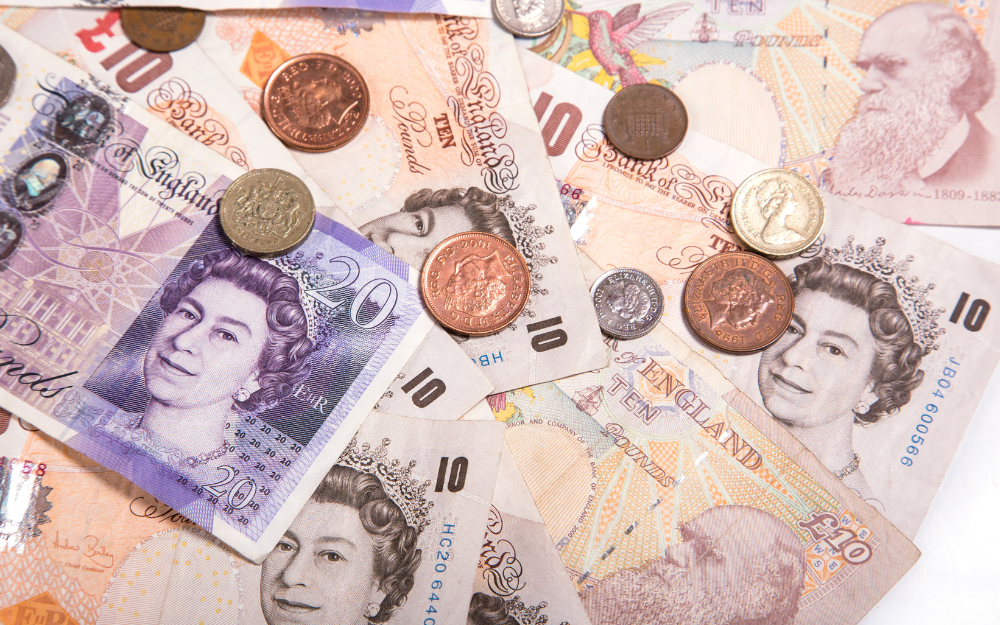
(71, 332)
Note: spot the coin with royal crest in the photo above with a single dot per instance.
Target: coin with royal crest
(267, 212)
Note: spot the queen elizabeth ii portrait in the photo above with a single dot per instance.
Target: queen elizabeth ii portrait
(233, 339)
(849, 358)
(350, 555)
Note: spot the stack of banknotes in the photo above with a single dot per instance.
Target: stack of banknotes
(192, 435)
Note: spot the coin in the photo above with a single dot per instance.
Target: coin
(475, 283)
(738, 302)
(629, 303)
(8, 72)
(162, 29)
(528, 18)
(316, 102)
(645, 121)
(778, 212)
(267, 212)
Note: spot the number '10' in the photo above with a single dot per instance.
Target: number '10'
(976, 316)
(456, 481)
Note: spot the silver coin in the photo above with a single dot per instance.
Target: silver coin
(267, 212)
(8, 72)
(629, 303)
(528, 18)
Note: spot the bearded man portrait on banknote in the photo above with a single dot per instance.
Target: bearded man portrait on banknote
(735, 566)
(926, 75)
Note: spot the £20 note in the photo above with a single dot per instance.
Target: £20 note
(225, 385)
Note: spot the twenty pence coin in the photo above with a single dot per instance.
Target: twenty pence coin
(778, 213)
(267, 212)
(8, 72)
(738, 302)
(162, 29)
(316, 102)
(528, 18)
(475, 283)
(629, 303)
(645, 121)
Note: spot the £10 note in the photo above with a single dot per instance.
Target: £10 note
(450, 145)
(873, 373)
(97, 549)
(225, 385)
(672, 498)
(818, 96)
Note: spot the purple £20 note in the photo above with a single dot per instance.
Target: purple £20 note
(130, 329)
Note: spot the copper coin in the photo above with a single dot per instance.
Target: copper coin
(475, 283)
(162, 29)
(316, 102)
(738, 302)
(645, 121)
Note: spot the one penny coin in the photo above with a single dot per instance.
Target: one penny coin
(316, 102)
(162, 29)
(629, 303)
(528, 18)
(738, 302)
(778, 213)
(475, 283)
(267, 212)
(645, 121)
(8, 72)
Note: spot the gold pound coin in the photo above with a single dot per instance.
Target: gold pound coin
(267, 212)
(778, 213)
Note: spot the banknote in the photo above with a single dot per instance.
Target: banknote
(133, 331)
(891, 346)
(364, 8)
(673, 498)
(818, 95)
(451, 145)
(396, 521)
(186, 90)
(520, 575)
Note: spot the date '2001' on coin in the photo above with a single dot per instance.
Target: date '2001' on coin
(475, 283)
(738, 302)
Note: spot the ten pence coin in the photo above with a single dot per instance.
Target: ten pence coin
(738, 302)
(162, 29)
(316, 102)
(8, 72)
(267, 212)
(629, 303)
(475, 283)
(645, 121)
(778, 213)
(528, 18)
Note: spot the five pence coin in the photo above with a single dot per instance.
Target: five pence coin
(629, 303)
(267, 212)
(528, 19)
